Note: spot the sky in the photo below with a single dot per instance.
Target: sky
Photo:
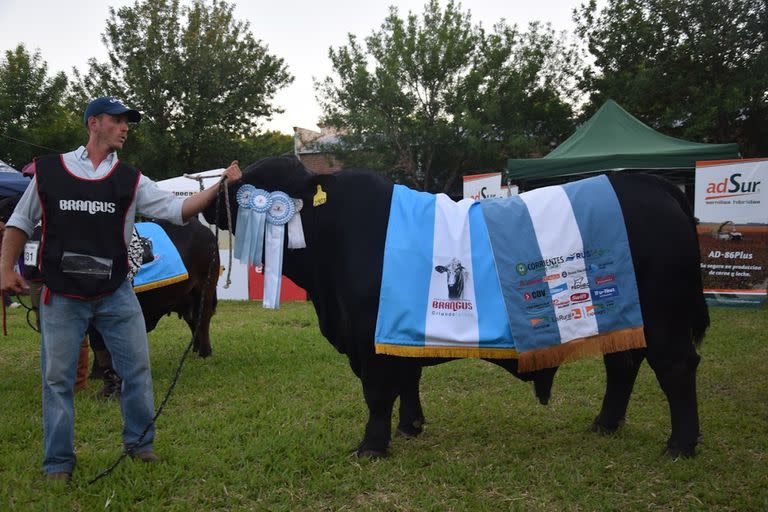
(68, 33)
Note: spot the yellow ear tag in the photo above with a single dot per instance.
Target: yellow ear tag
(320, 197)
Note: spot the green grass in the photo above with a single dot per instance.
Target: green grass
(271, 420)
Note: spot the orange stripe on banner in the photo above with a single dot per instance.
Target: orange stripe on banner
(712, 163)
(479, 176)
(458, 352)
(728, 195)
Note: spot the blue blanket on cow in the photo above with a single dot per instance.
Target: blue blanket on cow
(546, 276)
(167, 266)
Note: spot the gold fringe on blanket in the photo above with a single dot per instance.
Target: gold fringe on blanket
(457, 352)
(161, 283)
(616, 341)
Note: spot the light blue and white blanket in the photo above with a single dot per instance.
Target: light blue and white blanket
(167, 266)
(545, 276)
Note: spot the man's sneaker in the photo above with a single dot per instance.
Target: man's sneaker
(59, 476)
(145, 456)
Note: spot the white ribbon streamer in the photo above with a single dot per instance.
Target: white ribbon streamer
(273, 265)
(296, 233)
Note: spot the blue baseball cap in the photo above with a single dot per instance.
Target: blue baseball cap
(109, 105)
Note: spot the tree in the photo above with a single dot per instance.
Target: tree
(426, 98)
(33, 120)
(696, 69)
(198, 76)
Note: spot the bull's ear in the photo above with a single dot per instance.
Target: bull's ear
(320, 188)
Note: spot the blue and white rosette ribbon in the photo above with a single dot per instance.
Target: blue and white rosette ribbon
(251, 217)
(261, 220)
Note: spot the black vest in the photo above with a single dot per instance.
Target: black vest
(83, 244)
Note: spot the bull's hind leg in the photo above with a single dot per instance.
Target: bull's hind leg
(677, 377)
(201, 341)
(411, 414)
(380, 391)
(621, 371)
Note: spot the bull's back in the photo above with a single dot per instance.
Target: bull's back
(662, 236)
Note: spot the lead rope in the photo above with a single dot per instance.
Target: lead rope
(223, 189)
(130, 448)
(5, 328)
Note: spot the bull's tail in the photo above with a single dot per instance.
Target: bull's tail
(697, 309)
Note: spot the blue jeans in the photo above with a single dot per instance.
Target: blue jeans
(63, 322)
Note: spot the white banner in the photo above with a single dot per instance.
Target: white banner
(483, 186)
(732, 191)
(732, 208)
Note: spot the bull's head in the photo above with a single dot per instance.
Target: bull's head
(286, 174)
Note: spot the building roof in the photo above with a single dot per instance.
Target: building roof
(307, 141)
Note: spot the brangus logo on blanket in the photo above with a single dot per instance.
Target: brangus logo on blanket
(453, 305)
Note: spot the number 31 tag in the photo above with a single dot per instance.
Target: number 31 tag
(30, 253)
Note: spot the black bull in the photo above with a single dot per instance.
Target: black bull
(341, 270)
(194, 299)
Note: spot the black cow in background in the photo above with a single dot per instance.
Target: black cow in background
(341, 270)
(194, 299)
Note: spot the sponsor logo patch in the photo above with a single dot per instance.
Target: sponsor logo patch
(530, 282)
(579, 297)
(559, 288)
(579, 283)
(535, 294)
(608, 278)
(605, 293)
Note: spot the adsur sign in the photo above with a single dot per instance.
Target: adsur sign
(732, 208)
(483, 186)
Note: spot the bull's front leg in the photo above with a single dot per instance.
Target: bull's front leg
(380, 391)
(411, 415)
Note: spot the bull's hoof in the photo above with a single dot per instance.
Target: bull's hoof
(202, 352)
(411, 431)
(543, 400)
(677, 450)
(367, 453)
(601, 427)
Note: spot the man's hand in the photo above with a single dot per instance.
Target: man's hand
(195, 203)
(232, 173)
(12, 282)
(13, 243)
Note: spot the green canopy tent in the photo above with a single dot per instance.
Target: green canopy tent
(614, 140)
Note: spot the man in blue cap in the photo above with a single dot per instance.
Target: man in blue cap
(87, 200)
